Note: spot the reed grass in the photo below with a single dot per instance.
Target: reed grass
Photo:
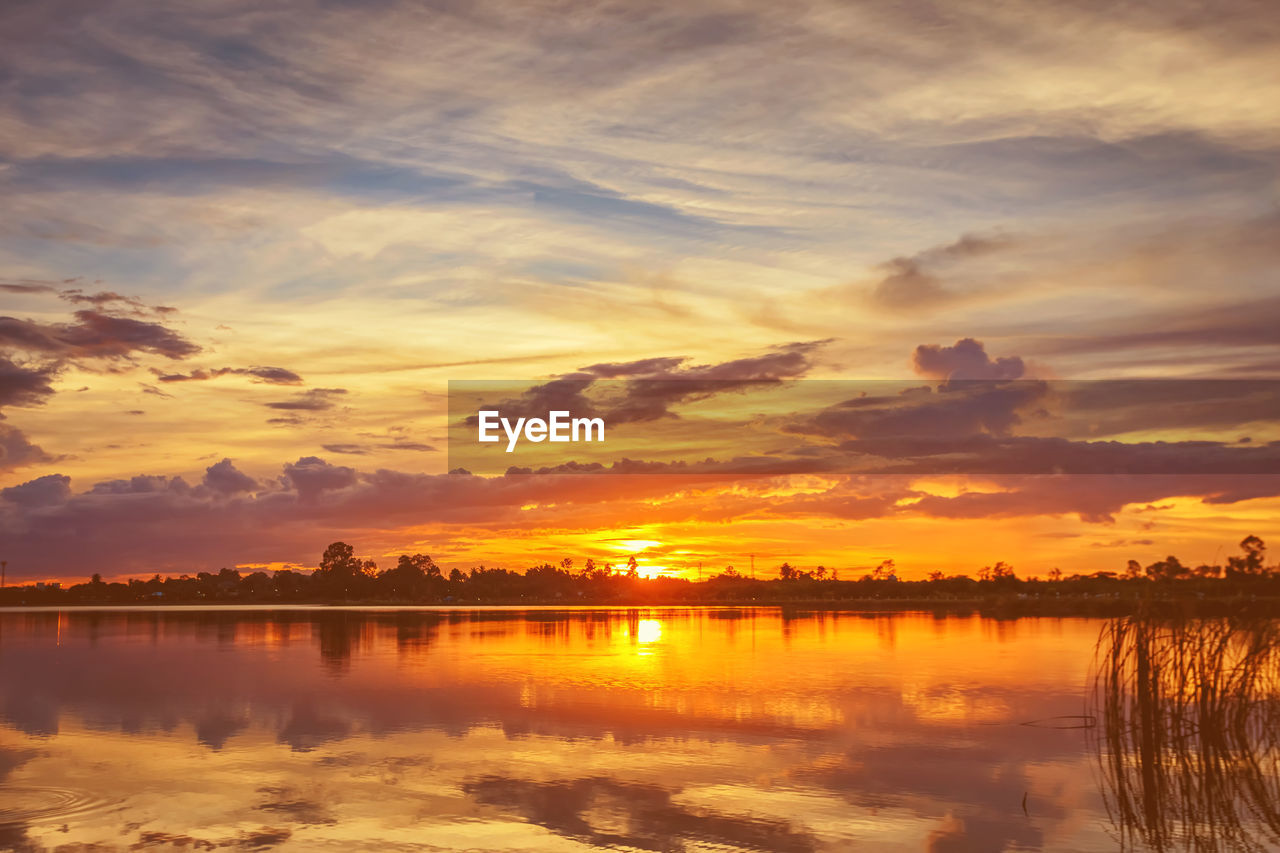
(1189, 732)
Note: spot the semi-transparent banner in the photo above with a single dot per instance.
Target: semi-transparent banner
(586, 424)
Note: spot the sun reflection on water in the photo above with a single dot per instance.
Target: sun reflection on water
(649, 631)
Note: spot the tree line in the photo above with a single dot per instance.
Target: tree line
(342, 576)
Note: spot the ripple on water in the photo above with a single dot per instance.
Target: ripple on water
(27, 803)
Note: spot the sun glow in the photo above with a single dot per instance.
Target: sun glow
(648, 631)
(635, 546)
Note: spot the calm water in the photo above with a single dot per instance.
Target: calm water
(657, 730)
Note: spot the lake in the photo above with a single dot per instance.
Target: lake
(565, 730)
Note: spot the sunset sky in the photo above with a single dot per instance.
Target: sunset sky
(244, 248)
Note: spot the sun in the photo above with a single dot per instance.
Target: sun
(635, 546)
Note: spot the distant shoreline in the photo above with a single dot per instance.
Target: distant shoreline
(996, 606)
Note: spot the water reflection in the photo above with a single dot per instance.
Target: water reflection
(637, 729)
(1190, 736)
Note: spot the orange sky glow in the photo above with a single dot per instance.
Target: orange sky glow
(232, 301)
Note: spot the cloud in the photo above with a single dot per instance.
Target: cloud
(107, 299)
(993, 425)
(1238, 323)
(310, 476)
(955, 411)
(27, 287)
(151, 523)
(648, 389)
(1094, 499)
(909, 282)
(225, 479)
(268, 375)
(966, 359)
(907, 285)
(641, 367)
(18, 452)
(25, 385)
(312, 400)
(357, 449)
(94, 335)
(49, 490)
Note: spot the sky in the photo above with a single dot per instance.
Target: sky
(244, 249)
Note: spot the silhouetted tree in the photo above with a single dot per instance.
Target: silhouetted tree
(884, 571)
(341, 572)
(1170, 568)
(1251, 563)
(410, 578)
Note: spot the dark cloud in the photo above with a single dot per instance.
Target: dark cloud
(224, 478)
(150, 523)
(1248, 323)
(954, 411)
(313, 400)
(49, 490)
(646, 390)
(1034, 426)
(1094, 499)
(143, 484)
(1117, 406)
(311, 476)
(110, 300)
(155, 523)
(352, 449)
(194, 376)
(268, 375)
(99, 299)
(966, 359)
(94, 335)
(27, 287)
(25, 384)
(987, 454)
(16, 451)
(642, 367)
(415, 446)
(272, 375)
